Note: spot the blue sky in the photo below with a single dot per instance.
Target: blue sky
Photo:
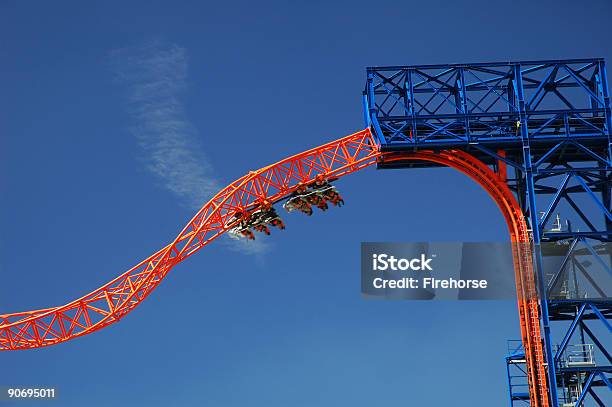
(88, 190)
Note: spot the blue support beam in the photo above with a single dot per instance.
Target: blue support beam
(550, 123)
(430, 105)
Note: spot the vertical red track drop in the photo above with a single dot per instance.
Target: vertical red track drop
(529, 316)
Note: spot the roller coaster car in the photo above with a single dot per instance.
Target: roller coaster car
(297, 203)
(334, 197)
(261, 227)
(271, 218)
(263, 218)
(259, 221)
(316, 194)
(317, 199)
(242, 232)
(327, 192)
(248, 233)
(243, 228)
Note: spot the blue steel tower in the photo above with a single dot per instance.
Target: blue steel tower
(545, 126)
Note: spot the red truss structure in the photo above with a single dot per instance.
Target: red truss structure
(111, 302)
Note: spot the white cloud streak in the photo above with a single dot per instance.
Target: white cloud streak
(155, 76)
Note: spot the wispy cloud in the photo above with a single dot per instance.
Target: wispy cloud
(155, 77)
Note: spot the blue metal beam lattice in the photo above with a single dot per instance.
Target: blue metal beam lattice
(481, 103)
(547, 126)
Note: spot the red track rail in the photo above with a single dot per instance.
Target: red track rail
(109, 303)
(520, 236)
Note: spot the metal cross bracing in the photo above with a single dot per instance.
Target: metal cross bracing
(545, 127)
(519, 130)
(111, 302)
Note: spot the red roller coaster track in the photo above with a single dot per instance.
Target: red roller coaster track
(109, 303)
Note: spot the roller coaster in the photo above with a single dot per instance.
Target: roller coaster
(512, 127)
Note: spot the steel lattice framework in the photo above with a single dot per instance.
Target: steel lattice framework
(532, 134)
(109, 303)
(546, 126)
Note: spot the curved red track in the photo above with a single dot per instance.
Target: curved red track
(529, 316)
(109, 303)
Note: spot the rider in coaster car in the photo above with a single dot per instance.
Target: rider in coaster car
(317, 200)
(298, 202)
(243, 226)
(303, 206)
(336, 199)
(273, 219)
(327, 191)
(261, 227)
(333, 196)
(264, 216)
(248, 233)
